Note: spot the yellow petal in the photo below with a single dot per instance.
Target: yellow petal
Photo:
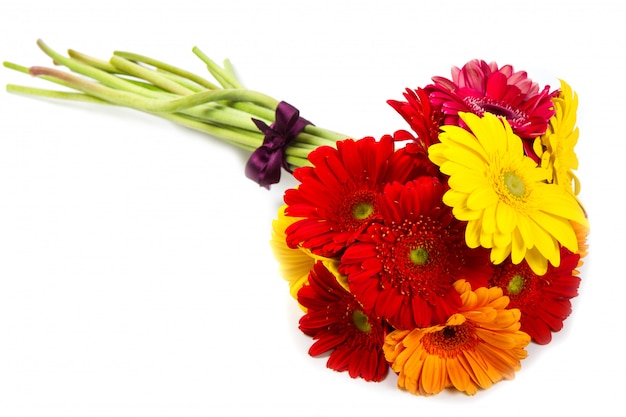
(457, 136)
(480, 198)
(557, 227)
(489, 219)
(560, 203)
(506, 218)
(499, 254)
(518, 247)
(536, 261)
(472, 233)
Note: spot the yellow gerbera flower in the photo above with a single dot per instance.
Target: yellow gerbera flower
(294, 264)
(503, 194)
(556, 146)
(478, 346)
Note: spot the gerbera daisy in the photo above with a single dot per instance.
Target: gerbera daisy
(336, 199)
(503, 195)
(419, 114)
(543, 300)
(481, 88)
(403, 266)
(340, 325)
(478, 346)
(556, 146)
(295, 264)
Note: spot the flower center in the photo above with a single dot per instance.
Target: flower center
(419, 256)
(516, 285)
(360, 321)
(450, 341)
(482, 105)
(362, 210)
(514, 184)
(521, 284)
(354, 209)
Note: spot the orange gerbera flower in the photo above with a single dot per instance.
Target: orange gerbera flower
(478, 346)
(582, 232)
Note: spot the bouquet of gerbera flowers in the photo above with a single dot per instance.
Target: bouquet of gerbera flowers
(440, 251)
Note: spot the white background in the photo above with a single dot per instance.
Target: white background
(136, 277)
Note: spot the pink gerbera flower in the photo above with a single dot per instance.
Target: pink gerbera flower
(404, 266)
(480, 87)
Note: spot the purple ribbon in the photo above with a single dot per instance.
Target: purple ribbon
(265, 163)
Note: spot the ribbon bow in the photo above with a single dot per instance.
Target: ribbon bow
(265, 163)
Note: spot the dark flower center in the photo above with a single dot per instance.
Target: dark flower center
(448, 332)
(482, 105)
(450, 341)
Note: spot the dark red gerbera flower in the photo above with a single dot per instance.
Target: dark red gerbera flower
(543, 300)
(404, 265)
(480, 87)
(340, 325)
(337, 195)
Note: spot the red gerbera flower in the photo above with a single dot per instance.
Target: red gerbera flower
(404, 266)
(543, 300)
(340, 325)
(479, 87)
(337, 195)
(420, 115)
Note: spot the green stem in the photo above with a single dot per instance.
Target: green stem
(103, 77)
(254, 110)
(149, 75)
(327, 135)
(92, 62)
(249, 141)
(217, 113)
(151, 105)
(239, 137)
(189, 85)
(142, 83)
(226, 78)
(167, 68)
(179, 76)
(26, 70)
(63, 95)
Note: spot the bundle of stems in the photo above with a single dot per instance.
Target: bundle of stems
(223, 109)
